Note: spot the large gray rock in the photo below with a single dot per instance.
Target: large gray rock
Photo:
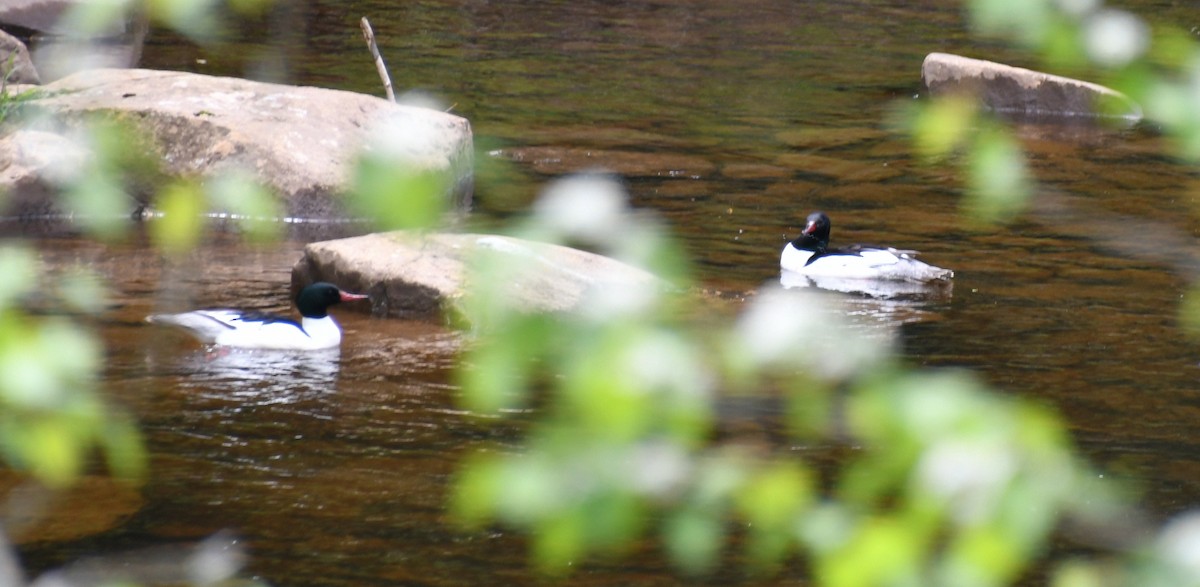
(1015, 90)
(300, 141)
(31, 166)
(48, 16)
(418, 275)
(21, 70)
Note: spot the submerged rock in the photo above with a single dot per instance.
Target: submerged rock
(417, 275)
(1009, 89)
(299, 141)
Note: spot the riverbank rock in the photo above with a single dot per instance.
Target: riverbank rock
(300, 141)
(16, 67)
(417, 275)
(1008, 89)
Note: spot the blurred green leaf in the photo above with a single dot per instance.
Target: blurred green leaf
(394, 195)
(257, 211)
(558, 542)
(20, 267)
(83, 291)
(124, 447)
(999, 182)
(182, 205)
(942, 126)
(882, 552)
(1080, 573)
(1026, 21)
(475, 491)
(194, 18)
(694, 538)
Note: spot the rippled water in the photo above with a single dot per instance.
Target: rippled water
(733, 120)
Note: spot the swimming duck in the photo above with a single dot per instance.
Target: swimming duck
(809, 254)
(261, 330)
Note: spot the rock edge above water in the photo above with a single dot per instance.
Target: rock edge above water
(419, 275)
(299, 141)
(1009, 89)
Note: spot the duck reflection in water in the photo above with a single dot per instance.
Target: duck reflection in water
(263, 377)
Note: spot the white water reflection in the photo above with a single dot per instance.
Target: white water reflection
(877, 289)
(262, 377)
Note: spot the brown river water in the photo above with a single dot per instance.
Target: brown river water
(731, 119)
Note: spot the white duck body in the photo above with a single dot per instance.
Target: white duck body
(316, 329)
(235, 328)
(808, 255)
(862, 263)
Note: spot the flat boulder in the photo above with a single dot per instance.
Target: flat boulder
(411, 274)
(1015, 90)
(301, 142)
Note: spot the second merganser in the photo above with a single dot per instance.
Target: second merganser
(809, 254)
(261, 330)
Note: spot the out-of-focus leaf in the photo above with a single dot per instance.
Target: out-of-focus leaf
(1189, 311)
(256, 209)
(99, 204)
(473, 502)
(20, 267)
(53, 449)
(83, 290)
(392, 195)
(882, 552)
(183, 206)
(1080, 573)
(614, 519)
(982, 556)
(943, 126)
(693, 538)
(194, 18)
(558, 542)
(1027, 21)
(999, 182)
(96, 18)
(1113, 38)
(124, 447)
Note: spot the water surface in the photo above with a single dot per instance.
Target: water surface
(732, 120)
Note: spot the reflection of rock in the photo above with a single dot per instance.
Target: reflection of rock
(410, 274)
(300, 141)
(32, 513)
(1016, 90)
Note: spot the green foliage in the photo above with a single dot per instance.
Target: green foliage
(394, 195)
(952, 484)
(52, 415)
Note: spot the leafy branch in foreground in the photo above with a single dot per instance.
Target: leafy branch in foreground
(947, 482)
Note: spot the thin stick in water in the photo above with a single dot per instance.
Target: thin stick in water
(369, 37)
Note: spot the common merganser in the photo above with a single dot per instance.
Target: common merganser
(809, 255)
(260, 330)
